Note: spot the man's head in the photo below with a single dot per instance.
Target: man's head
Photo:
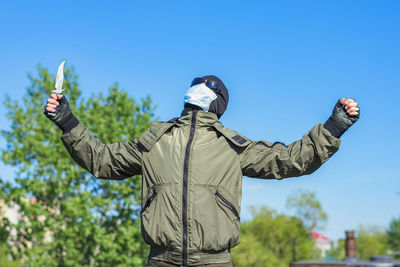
(208, 93)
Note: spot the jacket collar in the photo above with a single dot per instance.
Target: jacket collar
(203, 118)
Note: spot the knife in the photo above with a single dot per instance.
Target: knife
(59, 83)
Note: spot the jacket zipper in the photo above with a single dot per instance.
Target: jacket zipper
(184, 189)
(148, 201)
(228, 204)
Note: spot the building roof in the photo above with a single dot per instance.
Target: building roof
(318, 236)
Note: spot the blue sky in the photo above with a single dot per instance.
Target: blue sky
(285, 64)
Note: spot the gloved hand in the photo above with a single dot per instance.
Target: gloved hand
(345, 114)
(58, 111)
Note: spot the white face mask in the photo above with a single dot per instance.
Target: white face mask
(200, 95)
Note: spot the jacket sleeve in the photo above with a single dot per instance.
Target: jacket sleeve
(106, 161)
(277, 161)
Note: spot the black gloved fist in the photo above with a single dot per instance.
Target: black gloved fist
(341, 120)
(63, 116)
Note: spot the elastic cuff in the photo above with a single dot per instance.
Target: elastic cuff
(69, 123)
(335, 127)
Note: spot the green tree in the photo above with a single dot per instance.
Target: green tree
(4, 252)
(69, 218)
(252, 253)
(337, 253)
(393, 235)
(370, 240)
(308, 208)
(276, 238)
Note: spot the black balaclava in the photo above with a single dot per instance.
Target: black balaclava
(219, 105)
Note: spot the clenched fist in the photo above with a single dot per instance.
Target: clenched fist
(58, 111)
(344, 114)
(351, 106)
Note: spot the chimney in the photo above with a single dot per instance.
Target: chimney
(350, 246)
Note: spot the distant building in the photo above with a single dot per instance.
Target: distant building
(322, 243)
(351, 260)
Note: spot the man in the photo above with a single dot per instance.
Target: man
(192, 170)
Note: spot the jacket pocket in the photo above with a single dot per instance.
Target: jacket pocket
(214, 224)
(148, 201)
(228, 204)
(159, 216)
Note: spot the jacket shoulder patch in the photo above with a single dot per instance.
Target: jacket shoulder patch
(153, 133)
(232, 136)
(239, 139)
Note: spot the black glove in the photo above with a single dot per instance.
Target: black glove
(340, 120)
(63, 116)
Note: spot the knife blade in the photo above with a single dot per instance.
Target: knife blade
(59, 79)
(58, 85)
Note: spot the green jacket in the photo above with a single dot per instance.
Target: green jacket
(192, 172)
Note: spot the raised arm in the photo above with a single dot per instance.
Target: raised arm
(107, 161)
(277, 161)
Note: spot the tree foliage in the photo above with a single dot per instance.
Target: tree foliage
(252, 253)
(337, 253)
(272, 239)
(370, 241)
(393, 236)
(4, 261)
(69, 218)
(308, 208)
